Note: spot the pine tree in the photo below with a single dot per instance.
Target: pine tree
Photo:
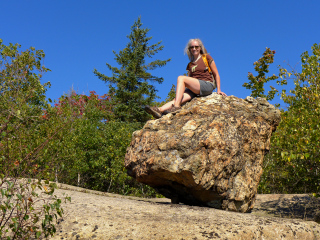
(130, 86)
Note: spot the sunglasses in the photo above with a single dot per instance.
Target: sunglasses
(196, 47)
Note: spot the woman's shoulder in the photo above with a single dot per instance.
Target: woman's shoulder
(189, 64)
(208, 56)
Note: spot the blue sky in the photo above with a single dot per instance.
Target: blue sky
(80, 35)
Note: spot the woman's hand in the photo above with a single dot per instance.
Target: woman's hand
(221, 93)
(216, 77)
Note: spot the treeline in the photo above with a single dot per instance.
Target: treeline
(293, 163)
(82, 139)
(76, 139)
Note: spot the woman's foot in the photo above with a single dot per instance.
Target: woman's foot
(154, 111)
(171, 110)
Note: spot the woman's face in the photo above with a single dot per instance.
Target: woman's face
(194, 48)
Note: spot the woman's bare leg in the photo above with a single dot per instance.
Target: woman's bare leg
(185, 98)
(166, 106)
(183, 82)
(182, 97)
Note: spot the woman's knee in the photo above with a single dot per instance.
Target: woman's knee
(181, 79)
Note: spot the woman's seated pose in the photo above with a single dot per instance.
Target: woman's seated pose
(199, 81)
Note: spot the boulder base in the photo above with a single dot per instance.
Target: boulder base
(209, 153)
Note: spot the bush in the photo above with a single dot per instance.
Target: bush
(24, 204)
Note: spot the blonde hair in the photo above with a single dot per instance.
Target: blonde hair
(188, 52)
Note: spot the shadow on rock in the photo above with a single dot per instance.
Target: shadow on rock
(297, 206)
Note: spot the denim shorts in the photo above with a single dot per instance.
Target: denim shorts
(206, 88)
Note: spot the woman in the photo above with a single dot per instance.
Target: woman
(199, 81)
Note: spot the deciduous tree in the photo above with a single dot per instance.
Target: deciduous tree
(22, 146)
(256, 83)
(293, 165)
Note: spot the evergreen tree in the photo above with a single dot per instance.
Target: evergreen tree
(130, 86)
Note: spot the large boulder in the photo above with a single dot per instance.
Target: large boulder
(209, 153)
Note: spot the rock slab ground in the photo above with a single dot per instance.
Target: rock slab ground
(97, 215)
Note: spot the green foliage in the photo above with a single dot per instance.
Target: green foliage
(22, 146)
(171, 94)
(83, 116)
(107, 172)
(256, 83)
(91, 150)
(28, 209)
(22, 101)
(130, 85)
(293, 164)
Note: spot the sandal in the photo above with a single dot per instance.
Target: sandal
(173, 109)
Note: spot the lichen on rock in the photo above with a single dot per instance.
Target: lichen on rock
(209, 153)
